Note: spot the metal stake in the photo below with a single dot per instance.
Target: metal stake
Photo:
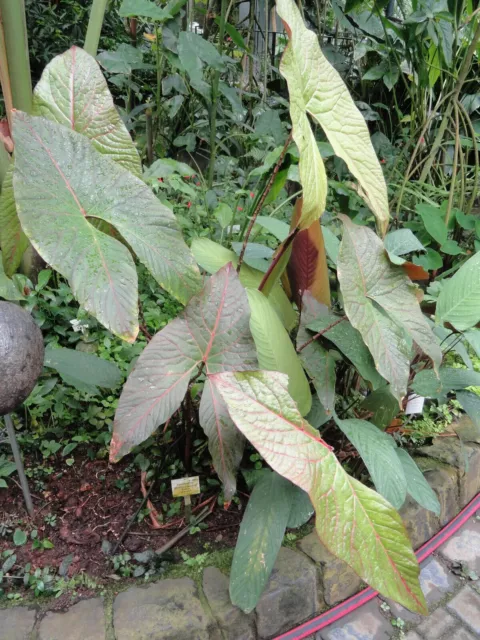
(18, 461)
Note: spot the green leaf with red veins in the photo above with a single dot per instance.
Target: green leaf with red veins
(212, 332)
(380, 302)
(354, 522)
(61, 182)
(225, 442)
(73, 91)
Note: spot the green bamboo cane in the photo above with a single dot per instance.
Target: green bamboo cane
(16, 47)
(97, 13)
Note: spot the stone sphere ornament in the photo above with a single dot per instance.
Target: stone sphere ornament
(21, 356)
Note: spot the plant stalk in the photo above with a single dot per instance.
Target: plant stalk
(283, 248)
(215, 93)
(18, 461)
(320, 333)
(5, 77)
(462, 76)
(262, 200)
(16, 46)
(97, 13)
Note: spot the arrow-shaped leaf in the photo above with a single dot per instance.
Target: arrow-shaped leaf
(355, 523)
(213, 330)
(380, 302)
(73, 92)
(61, 182)
(316, 88)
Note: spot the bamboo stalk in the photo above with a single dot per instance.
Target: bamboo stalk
(94, 29)
(16, 47)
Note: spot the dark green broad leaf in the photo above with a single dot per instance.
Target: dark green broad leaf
(84, 371)
(332, 244)
(450, 341)
(380, 302)
(317, 361)
(302, 508)
(317, 416)
(13, 241)
(399, 243)
(260, 538)
(382, 406)
(432, 218)
(124, 59)
(347, 339)
(148, 9)
(459, 299)
(212, 332)
(73, 92)
(174, 81)
(471, 404)
(430, 261)
(417, 486)
(61, 184)
(377, 450)
(428, 385)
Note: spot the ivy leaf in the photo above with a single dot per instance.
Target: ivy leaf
(417, 486)
(260, 538)
(73, 92)
(56, 203)
(347, 339)
(459, 299)
(377, 450)
(13, 240)
(316, 88)
(355, 523)
(213, 330)
(380, 302)
(275, 349)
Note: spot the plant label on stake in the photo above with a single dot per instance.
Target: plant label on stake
(186, 487)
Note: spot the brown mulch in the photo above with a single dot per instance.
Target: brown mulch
(89, 509)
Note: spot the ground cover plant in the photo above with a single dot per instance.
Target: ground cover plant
(213, 304)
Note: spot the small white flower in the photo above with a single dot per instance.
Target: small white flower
(79, 325)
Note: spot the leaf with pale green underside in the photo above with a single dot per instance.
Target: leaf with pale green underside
(347, 339)
(377, 450)
(275, 349)
(84, 371)
(459, 299)
(417, 486)
(260, 538)
(355, 523)
(317, 89)
(72, 91)
(400, 242)
(225, 442)
(13, 241)
(213, 330)
(472, 336)
(144, 9)
(380, 302)
(55, 203)
(211, 256)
